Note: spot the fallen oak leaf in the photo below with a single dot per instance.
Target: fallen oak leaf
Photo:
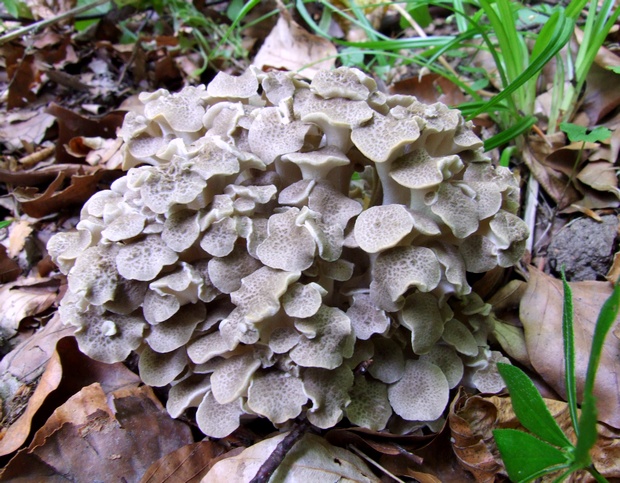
(53, 199)
(87, 437)
(541, 314)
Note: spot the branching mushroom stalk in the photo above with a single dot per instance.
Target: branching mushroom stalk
(251, 273)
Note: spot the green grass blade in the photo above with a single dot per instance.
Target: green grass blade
(526, 457)
(562, 30)
(522, 125)
(569, 353)
(530, 408)
(587, 422)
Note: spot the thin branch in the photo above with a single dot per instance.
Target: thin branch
(50, 21)
(274, 460)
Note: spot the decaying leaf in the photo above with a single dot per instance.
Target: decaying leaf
(310, 459)
(290, 47)
(429, 89)
(25, 298)
(9, 269)
(55, 198)
(189, 463)
(87, 439)
(541, 315)
(24, 126)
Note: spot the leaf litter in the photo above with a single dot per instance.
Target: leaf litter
(57, 405)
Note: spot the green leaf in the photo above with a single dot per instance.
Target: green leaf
(529, 406)
(569, 352)
(577, 133)
(527, 457)
(4, 224)
(518, 128)
(615, 69)
(587, 422)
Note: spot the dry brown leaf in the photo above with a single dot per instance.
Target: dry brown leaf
(188, 464)
(24, 126)
(54, 199)
(25, 403)
(312, 458)
(88, 440)
(25, 298)
(430, 88)
(554, 182)
(541, 314)
(9, 269)
(471, 413)
(71, 125)
(469, 443)
(290, 47)
(602, 94)
(600, 176)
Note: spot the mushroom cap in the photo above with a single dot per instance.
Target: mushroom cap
(369, 407)
(182, 111)
(277, 396)
(385, 138)
(344, 82)
(329, 393)
(421, 394)
(398, 269)
(381, 227)
(318, 164)
(218, 420)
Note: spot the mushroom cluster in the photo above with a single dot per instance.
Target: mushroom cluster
(280, 248)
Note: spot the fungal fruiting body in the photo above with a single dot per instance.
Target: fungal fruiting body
(271, 236)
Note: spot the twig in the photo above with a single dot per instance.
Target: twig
(50, 21)
(274, 460)
(363, 455)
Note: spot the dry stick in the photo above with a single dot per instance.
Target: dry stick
(276, 457)
(50, 21)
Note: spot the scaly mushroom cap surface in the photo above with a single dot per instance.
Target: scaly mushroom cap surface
(279, 248)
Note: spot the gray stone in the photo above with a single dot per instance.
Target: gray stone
(585, 247)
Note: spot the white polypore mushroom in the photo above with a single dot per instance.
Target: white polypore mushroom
(64, 248)
(181, 230)
(232, 376)
(144, 259)
(226, 86)
(270, 136)
(276, 395)
(421, 315)
(388, 360)
(124, 227)
(303, 300)
(366, 318)
(318, 164)
(329, 393)
(182, 111)
(157, 369)
(288, 245)
(448, 361)
(328, 339)
(218, 420)
(108, 337)
(381, 227)
(345, 82)
(186, 394)
(219, 239)
(399, 268)
(176, 331)
(369, 407)
(460, 337)
(227, 272)
(95, 274)
(421, 394)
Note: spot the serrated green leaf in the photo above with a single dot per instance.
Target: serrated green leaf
(527, 457)
(577, 133)
(529, 406)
